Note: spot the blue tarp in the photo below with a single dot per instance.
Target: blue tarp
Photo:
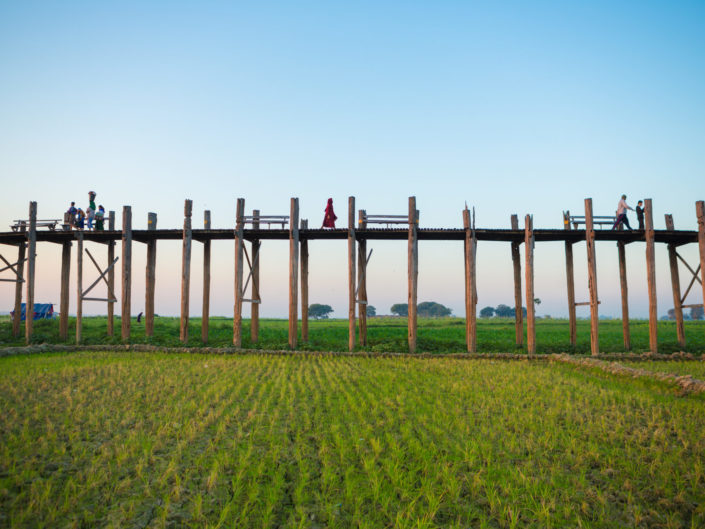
(42, 311)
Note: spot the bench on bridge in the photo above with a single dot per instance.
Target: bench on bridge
(597, 220)
(22, 225)
(266, 219)
(388, 220)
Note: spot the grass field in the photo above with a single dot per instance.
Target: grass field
(167, 440)
(384, 335)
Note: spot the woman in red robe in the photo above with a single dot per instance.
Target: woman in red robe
(329, 218)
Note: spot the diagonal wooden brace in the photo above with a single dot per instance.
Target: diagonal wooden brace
(11, 266)
(112, 298)
(247, 282)
(364, 276)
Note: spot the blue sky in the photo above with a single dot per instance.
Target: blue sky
(514, 107)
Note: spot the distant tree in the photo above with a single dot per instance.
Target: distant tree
(400, 309)
(319, 312)
(431, 309)
(371, 311)
(697, 313)
(537, 301)
(671, 314)
(523, 311)
(487, 312)
(504, 311)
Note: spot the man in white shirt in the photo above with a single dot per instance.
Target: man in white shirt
(622, 208)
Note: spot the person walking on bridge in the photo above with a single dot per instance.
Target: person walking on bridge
(622, 208)
(329, 218)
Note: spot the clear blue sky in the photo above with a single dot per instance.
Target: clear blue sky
(525, 107)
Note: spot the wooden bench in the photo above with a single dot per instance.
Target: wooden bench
(597, 220)
(385, 219)
(266, 219)
(22, 225)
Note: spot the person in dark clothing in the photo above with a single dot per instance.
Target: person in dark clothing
(329, 218)
(640, 214)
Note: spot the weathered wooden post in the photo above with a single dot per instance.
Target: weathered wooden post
(529, 272)
(625, 294)
(293, 271)
(151, 277)
(592, 279)
(470, 248)
(362, 278)
(304, 284)
(31, 258)
(79, 286)
(206, 278)
(17, 318)
(351, 273)
(570, 283)
(239, 245)
(651, 274)
(413, 272)
(111, 274)
(186, 270)
(518, 312)
(675, 285)
(64, 296)
(126, 271)
(700, 212)
(254, 311)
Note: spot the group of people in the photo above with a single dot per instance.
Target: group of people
(91, 219)
(622, 208)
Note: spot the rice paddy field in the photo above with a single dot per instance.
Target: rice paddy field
(98, 439)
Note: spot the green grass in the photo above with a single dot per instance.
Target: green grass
(167, 440)
(384, 335)
(696, 368)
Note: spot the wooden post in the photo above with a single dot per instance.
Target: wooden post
(304, 284)
(64, 296)
(293, 271)
(256, 244)
(185, 271)
(518, 312)
(31, 251)
(111, 275)
(570, 280)
(592, 278)
(625, 297)
(529, 273)
(79, 286)
(651, 274)
(700, 212)
(470, 284)
(126, 271)
(362, 279)
(206, 278)
(17, 319)
(675, 285)
(151, 277)
(239, 245)
(351, 273)
(413, 272)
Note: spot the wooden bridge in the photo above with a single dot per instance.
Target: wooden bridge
(357, 234)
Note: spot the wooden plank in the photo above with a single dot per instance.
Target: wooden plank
(254, 307)
(205, 314)
(31, 262)
(700, 213)
(626, 333)
(529, 277)
(111, 274)
(518, 312)
(126, 272)
(17, 318)
(304, 284)
(150, 277)
(413, 274)
(239, 242)
(570, 284)
(351, 273)
(186, 271)
(362, 279)
(64, 296)
(470, 247)
(592, 279)
(651, 274)
(675, 285)
(79, 286)
(293, 271)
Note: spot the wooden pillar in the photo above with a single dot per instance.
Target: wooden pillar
(31, 255)
(151, 277)
(206, 278)
(570, 283)
(186, 270)
(17, 319)
(362, 279)
(592, 279)
(675, 285)
(470, 284)
(79, 286)
(111, 274)
(413, 272)
(625, 297)
(256, 244)
(304, 284)
(351, 273)
(239, 245)
(293, 271)
(518, 312)
(651, 274)
(529, 273)
(126, 271)
(64, 296)
(700, 212)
